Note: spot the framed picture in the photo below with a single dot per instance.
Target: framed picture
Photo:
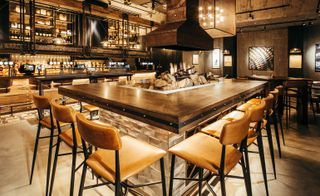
(195, 59)
(317, 65)
(295, 61)
(216, 58)
(261, 58)
(227, 59)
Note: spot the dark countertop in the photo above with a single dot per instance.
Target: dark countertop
(278, 78)
(80, 76)
(66, 75)
(176, 112)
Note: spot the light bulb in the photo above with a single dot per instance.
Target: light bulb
(217, 8)
(210, 15)
(211, 23)
(209, 8)
(221, 10)
(200, 8)
(204, 24)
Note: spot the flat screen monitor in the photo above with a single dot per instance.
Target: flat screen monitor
(27, 68)
(80, 66)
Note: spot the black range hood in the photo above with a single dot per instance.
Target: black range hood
(182, 30)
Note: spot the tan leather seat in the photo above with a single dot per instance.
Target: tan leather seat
(103, 163)
(214, 129)
(118, 158)
(254, 101)
(90, 108)
(200, 148)
(46, 122)
(207, 152)
(244, 107)
(67, 137)
(234, 115)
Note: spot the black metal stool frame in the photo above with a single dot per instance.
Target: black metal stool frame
(221, 175)
(118, 184)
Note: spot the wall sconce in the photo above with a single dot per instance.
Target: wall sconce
(226, 52)
(295, 51)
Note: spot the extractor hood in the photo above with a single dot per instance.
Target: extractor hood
(182, 30)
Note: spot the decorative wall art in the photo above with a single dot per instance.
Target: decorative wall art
(216, 58)
(227, 59)
(317, 66)
(195, 59)
(295, 61)
(261, 58)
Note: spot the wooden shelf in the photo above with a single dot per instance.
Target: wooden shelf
(43, 26)
(44, 16)
(64, 21)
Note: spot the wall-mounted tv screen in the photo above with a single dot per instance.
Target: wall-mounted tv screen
(80, 66)
(261, 58)
(27, 68)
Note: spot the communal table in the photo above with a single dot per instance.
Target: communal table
(163, 118)
(176, 112)
(92, 76)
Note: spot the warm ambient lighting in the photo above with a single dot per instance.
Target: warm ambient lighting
(218, 17)
(295, 50)
(207, 15)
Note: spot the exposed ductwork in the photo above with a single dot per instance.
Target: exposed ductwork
(182, 30)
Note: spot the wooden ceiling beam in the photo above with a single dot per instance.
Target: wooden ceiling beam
(95, 10)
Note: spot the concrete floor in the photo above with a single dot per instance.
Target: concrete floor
(298, 171)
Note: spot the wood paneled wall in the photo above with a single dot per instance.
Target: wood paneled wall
(278, 39)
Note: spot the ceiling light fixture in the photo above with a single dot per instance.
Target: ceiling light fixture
(217, 17)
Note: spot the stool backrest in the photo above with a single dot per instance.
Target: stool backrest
(275, 94)
(101, 136)
(80, 81)
(280, 89)
(62, 113)
(257, 112)
(41, 102)
(235, 131)
(269, 101)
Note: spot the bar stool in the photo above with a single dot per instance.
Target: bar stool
(290, 92)
(93, 110)
(254, 133)
(280, 108)
(65, 114)
(117, 158)
(42, 104)
(218, 156)
(269, 112)
(274, 117)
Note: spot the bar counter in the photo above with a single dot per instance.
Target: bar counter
(176, 112)
(162, 120)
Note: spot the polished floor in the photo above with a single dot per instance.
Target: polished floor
(298, 171)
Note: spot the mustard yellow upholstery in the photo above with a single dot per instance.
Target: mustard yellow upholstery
(99, 135)
(234, 115)
(205, 151)
(62, 113)
(134, 157)
(215, 128)
(90, 108)
(41, 102)
(67, 137)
